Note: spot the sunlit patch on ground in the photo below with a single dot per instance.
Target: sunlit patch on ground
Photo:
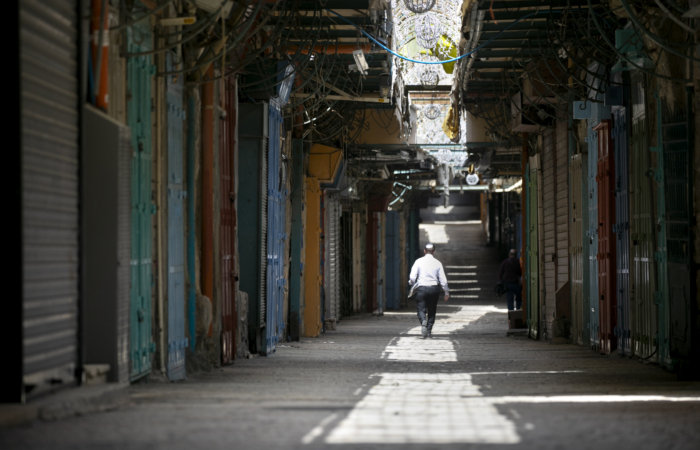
(423, 408)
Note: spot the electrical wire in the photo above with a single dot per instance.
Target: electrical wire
(446, 60)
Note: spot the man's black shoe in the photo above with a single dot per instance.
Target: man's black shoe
(424, 329)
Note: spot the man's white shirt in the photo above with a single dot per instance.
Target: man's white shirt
(428, 271)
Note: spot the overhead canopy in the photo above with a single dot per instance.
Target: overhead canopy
(325, 164)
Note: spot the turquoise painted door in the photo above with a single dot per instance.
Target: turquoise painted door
(139, 73)
(176, 229)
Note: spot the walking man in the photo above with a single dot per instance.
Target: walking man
(427, 278)
(510, 272)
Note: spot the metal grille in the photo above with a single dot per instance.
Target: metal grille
(332, 258)
(139, 73)
(607, 247)
(677, 174)
(228, 224)
(677, 166)
(533, 295)
(263, 232)
(576, 253)
(357, 227)
(621, 228)
(276, 237)
(549, 238)
(592, 233)
(48, 32)
(643, 279)
(176, 229)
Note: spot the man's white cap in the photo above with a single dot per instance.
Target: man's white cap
(429, 246)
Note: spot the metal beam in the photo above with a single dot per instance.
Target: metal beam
(308, 5)
(478, 187)
(532, 4)
(397, 147)
(524, 25)
(344, 98)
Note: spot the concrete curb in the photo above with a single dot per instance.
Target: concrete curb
(67, 403)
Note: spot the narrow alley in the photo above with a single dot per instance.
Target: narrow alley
(352, 223)
(373, 383)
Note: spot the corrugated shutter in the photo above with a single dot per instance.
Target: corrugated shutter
(177, 341)
(140, 72)
(356, 262)
(578, 311)
(263, 231)
(550, 214)
(642, 229)
(622, 230)
(49, 134)
(562, 201)
(592, 233)
(607, 248)
(332, 232)
(533, 262)
(677, 138)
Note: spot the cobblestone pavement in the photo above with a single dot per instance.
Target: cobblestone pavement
(374, 383)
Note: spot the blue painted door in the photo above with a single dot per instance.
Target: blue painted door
(176, 231)
(276, 201)
(392, 260)
(139, 72)
(623, 330)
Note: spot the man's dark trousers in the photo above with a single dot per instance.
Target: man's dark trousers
(514, 294)
(426, 303)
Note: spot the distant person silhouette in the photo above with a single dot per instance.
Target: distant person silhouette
(510, 272)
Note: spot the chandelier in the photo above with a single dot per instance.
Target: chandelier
(419, 6)
(428, 30)
(427, 74)
(432, 112)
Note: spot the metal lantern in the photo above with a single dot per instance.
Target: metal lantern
(432, 112)
(419, 6)
(428, 30)
(428, 73)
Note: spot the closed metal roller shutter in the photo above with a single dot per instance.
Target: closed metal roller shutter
(578, 311)
(549, 210)
(562, 201)
(332, 236)
(263, 232)
(356, 262)
(49, 133)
